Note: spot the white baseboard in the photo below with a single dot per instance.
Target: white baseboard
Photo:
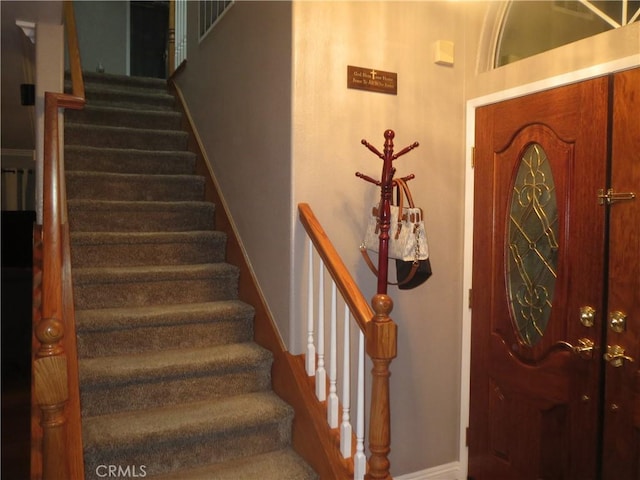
(448, 471)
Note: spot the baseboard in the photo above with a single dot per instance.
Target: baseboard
(448, 471)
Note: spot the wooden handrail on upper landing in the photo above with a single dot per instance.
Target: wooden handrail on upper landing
(56, 447)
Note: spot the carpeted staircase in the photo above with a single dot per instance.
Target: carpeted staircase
(172, 385)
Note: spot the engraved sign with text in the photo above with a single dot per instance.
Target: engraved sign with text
(372, 80)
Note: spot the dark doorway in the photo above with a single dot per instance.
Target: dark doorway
(149, 31)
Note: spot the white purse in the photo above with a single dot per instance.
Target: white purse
(407, 236)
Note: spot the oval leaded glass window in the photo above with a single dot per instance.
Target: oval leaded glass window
(532, 245)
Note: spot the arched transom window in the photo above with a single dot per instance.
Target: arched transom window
(532, 27)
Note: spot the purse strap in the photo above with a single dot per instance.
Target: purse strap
(404, 188)
(372, 267)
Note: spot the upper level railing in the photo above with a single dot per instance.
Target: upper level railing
(177, 48)
(56, 447)
(376, 332)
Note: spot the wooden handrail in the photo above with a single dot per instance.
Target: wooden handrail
(381, 342)
(358, 305)
(75, 64)
(56, 441)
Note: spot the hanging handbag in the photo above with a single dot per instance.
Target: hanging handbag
(407, 240)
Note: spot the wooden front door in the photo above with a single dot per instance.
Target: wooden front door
(539, 316)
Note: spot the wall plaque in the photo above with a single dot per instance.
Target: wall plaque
(372, 80)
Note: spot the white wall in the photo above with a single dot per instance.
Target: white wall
(329, 121)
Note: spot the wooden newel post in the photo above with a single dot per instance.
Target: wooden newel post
(51, 395)
(381, 346)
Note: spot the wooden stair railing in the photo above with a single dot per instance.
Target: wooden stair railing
(380, 333)
(56, 440)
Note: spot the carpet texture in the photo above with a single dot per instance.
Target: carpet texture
(172, 385)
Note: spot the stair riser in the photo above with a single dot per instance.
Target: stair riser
(150, 393)
(164, 456)
(120, 82)
(123, 161)
(144, 220)
(129, 99)
(113, 137)
(125, 255)
(138, 294)
(120, 118)
(135, 188)
(145, 339)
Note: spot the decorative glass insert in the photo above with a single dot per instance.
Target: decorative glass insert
(532, 245)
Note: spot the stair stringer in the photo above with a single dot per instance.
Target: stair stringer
(312, 438)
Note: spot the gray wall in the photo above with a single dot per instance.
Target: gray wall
(237, 84)
(103, 34)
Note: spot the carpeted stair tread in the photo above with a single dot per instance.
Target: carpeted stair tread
(165, 439)
(109, 287)
(125, 117)
(104, 319)
(134, 187)
(108, 136)
(147, 248)
(218, 416)
(85, 158)
(111, 80)
(282, 464)
(123, 331)
(144, 238)
(172, 363)
(90, 275)
(120, 216)
(172, 376)
(116, 96)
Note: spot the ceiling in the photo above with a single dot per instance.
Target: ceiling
(17, 58)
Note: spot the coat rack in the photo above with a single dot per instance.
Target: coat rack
(386, 184)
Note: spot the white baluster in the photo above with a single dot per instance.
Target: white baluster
(332, 402)
(345, 427)
(183, 47)
(321, 373)
(311, 348)
(359, 460)
(177, 31)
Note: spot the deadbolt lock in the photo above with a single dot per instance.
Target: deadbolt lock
(615, 356)
(587, 316)
(617, 321)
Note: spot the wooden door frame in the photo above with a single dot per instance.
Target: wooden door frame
(471, 106)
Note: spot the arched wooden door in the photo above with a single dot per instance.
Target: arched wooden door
(546, 403)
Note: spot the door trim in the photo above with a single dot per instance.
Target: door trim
(471, 106)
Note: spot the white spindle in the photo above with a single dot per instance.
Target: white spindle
(311, 348)
(332, 402)
(359, 460)
(183, 36)
(345, 427)
(321, 373)
(180, 32)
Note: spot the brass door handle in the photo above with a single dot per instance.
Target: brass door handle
(615, 356)
(584, 348)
